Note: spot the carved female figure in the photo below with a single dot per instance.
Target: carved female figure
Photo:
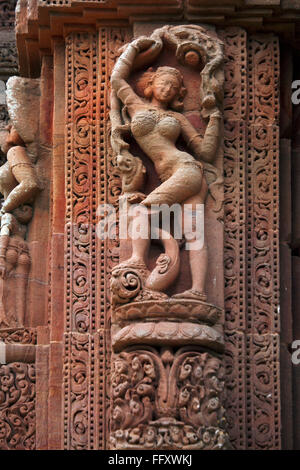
(156, 123)
(19, 185)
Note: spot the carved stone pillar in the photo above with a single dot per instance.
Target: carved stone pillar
(168, 373)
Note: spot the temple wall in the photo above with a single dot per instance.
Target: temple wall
(78, 350)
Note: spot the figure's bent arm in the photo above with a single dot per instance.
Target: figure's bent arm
(212, 137)
(203, 148)
(192, 138)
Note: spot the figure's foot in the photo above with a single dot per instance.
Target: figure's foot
(191, 294)
(148, 294)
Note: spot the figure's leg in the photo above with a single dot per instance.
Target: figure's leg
(193, 229)
(22, 272)
(182, 185)
(139, 234)
(7, 301)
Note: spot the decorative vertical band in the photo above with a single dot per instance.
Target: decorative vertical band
(109, 189)
(80, 244)
(263, 323)
(81, 54)
(235, 142)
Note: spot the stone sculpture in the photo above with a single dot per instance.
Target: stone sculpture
(156, 123)
(167, 383)
(19, 185)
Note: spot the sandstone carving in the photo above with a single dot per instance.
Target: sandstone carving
(19, 185)
(155, 122)
(167, 400)
(169, 394)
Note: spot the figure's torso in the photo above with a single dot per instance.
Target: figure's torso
(156, 132)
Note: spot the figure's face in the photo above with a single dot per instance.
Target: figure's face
(165, 88)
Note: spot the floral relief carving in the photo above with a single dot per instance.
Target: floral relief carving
(17, 406)
(167, 400)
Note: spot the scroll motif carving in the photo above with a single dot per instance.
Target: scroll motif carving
(91, 180)
(17, 406)
(263, 406)
(235, 148)
(81, 185)
(81, 138)
(78, 346)
(263, 183)
(22, 336)
(251, 223)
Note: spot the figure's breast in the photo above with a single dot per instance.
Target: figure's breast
(145, 122)
(169, 127)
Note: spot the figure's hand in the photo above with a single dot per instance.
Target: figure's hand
(136, 198)
(216, 113)
(208, 113)
(143, 42)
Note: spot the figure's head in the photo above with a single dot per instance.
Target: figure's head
(164, 85)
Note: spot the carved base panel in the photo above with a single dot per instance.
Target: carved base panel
(168, 398)
(18, 335)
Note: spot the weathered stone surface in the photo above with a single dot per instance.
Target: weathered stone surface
(23, 100)
(73, 372)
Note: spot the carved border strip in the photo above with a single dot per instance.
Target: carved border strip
(235, 112)
(80, 184)
(263, 185)
(263, 381)
(109, 40)
(80, 264)
(101, 169)
(263, 395)
(78, 384)
(17, 408)
(235, 403)
(101, 244)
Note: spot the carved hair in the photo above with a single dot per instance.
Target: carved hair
(144, 85)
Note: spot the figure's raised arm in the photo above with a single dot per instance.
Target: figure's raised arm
(124, 67)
